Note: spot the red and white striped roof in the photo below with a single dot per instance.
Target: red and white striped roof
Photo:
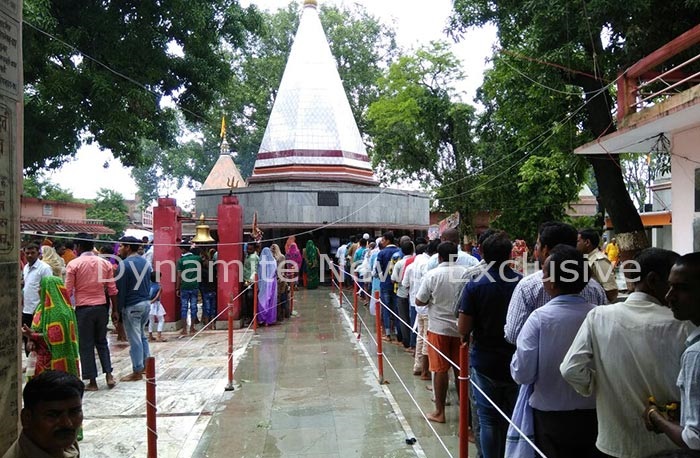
(312, 134)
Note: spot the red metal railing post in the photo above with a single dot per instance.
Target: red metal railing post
(380, 355)
(464, 401)
(354, 305)
(151, 407)
(229, 387)
(255, 303)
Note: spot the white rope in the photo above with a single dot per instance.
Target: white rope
(187, 342)
(490, 401)
(429, 423)
(455, 365)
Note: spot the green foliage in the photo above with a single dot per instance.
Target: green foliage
(109, 207)
(160, 49)
(549, 81)
(361, 46)
(546, 187)
(526, 145)
(171, 168)
(422, 132)
(419, 130)
(39, 187)
(641, 170)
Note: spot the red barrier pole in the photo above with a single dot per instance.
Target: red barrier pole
(255, 303)
(354, 305)
(380, 355)
(151, 407)
(340, 286)
(464, 401)
(229, 387)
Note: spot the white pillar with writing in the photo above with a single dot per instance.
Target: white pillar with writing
(11, 129)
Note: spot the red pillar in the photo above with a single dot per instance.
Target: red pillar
(167, 232)
(230, 254)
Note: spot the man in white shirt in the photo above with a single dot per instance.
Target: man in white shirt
(626, 352)
(340, 255)
(463, 258)
(33, 272)
(438, 291)
(148, 254)
(412, 280)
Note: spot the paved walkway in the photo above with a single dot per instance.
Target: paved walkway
(191, 376)
(305, 388)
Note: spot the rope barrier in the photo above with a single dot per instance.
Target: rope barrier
(172, 355)
(410, 395)
(456, 366)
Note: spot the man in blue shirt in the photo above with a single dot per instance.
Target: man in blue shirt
(134, 283)
(684, 299)
(382, 270)
(483, 307)
(565, 421)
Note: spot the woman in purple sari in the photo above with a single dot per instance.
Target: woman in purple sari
(267, 288)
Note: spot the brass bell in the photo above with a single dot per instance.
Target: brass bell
(202, 235)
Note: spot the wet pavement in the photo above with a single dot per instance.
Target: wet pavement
(305, 388)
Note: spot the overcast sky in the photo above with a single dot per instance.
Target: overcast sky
(416, 23)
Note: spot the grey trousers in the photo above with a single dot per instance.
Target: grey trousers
(92, 333)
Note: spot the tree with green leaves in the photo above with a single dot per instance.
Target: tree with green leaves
(362, 46)
(422, 132)
(102, 71)
(419, 129)
(39, 187)
(109, 207)
(572, 52)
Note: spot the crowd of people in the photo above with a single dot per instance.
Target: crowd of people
(69, 295)
(580, 374)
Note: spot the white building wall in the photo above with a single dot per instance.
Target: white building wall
(685, 148)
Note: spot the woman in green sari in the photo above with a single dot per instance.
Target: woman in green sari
(54, 328)
(54, 332)
(312, 265)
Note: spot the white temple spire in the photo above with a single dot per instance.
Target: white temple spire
(311, 134)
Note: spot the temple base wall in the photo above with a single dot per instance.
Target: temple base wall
(311, 204)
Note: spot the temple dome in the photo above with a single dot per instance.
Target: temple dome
(311, 134)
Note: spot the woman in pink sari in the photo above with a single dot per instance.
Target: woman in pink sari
(293, 256)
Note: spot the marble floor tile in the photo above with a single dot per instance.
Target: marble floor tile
(304, 388)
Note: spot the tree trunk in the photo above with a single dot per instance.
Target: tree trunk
(629, 229)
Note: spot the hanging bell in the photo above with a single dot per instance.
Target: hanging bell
(202, 235)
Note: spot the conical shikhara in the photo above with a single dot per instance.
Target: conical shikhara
(312, 134)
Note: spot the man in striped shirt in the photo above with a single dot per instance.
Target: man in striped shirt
(530, 294)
